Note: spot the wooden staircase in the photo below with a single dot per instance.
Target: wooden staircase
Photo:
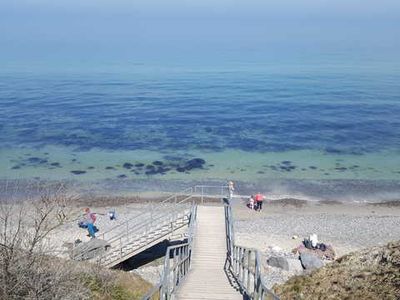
(207, 278)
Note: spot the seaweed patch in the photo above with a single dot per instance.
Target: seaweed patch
(78, 172)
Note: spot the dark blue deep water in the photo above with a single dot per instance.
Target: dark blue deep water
(337, 110)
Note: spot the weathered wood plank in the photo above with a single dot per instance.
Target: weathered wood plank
(207, 278)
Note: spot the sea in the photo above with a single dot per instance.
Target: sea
(316, 131)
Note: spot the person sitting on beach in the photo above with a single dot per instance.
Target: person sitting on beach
(112, 215)
(259, 198)
(251, 202)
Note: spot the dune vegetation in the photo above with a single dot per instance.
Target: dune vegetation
(373, 273)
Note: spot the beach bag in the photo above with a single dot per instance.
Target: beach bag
(314, 240)
(322, 247)
(95, 229)
(82, 224)
(307, 244)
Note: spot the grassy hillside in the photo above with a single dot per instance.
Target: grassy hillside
(369, 274)
(114, 285)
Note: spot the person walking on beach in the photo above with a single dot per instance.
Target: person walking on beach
(259, 198)
(231, 188)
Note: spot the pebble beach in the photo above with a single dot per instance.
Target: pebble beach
(276, 230)
(283, 224)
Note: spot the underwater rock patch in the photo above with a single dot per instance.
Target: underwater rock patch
(55, 164)
(122, 176)
(78, 172)
(341, 169)
(110, 168)
(37, 160)
(139, 165)
(157, 163)
(287, 168)
(195, 163)
(151, 172)
(127, 165)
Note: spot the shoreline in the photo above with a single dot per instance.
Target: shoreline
(346, 191)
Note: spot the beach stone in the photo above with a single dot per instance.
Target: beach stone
(278, 262)
(310, 262)
(285, 263)
(88, 250)
(295, 265)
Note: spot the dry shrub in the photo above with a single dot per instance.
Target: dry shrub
(370, 274)
(28, 267)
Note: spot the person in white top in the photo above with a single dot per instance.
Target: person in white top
(251, 202)
(231, 188)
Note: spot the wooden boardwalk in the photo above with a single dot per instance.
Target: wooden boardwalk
(207, 278)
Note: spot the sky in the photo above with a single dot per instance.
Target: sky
(105, 31)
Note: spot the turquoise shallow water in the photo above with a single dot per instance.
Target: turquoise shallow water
(250, 124)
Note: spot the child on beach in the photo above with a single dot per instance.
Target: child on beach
(251, 202)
